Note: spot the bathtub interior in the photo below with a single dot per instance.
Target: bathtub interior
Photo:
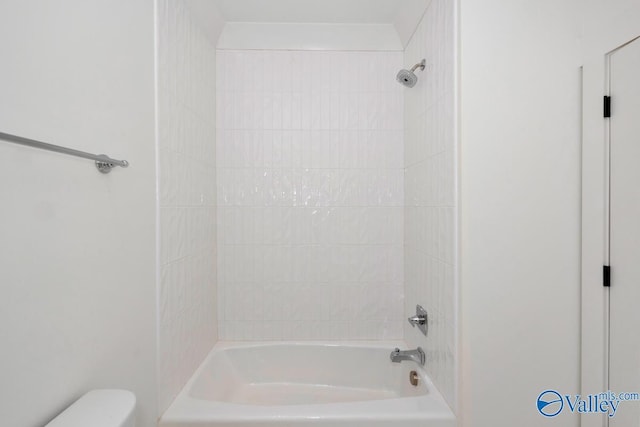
(302, 375)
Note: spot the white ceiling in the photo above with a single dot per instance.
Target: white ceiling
(313, 11)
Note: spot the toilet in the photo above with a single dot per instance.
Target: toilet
(99, 408)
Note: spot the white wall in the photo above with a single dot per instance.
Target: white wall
(206, 15)
(606, 26)
(311, 23)
(310, 195)
(408, 17)
(520, 208)
(430, 194)
(77, 248)
(187, 327)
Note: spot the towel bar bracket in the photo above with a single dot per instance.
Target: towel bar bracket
(106, 166)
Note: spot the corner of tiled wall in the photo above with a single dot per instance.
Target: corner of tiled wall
(430, 194)
(187, 197)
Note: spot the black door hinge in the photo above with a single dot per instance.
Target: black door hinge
(607, 106)
(606, 276)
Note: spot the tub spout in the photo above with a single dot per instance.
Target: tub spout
(416, 355)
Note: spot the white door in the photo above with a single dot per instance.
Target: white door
(624, 346)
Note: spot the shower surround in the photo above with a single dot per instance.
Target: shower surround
(186, 197)
(431, 200)
(333, 188)
(310, 195)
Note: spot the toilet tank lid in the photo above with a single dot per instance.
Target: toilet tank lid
(98, 408)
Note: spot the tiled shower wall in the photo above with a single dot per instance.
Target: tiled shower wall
(430, 194)
(310, 195)
(187, 197)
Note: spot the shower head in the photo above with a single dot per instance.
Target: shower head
(407, 77)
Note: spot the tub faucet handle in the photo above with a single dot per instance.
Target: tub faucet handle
(417, 320)
(420, 319)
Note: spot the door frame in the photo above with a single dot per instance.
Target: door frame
(595, 224)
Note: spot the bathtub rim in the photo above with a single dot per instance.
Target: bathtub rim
(183, 403)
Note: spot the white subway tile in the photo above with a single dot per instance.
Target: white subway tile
(286, 239)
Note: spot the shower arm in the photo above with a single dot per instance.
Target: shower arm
(422, 64)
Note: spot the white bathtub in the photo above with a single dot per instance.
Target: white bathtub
(293, 384)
